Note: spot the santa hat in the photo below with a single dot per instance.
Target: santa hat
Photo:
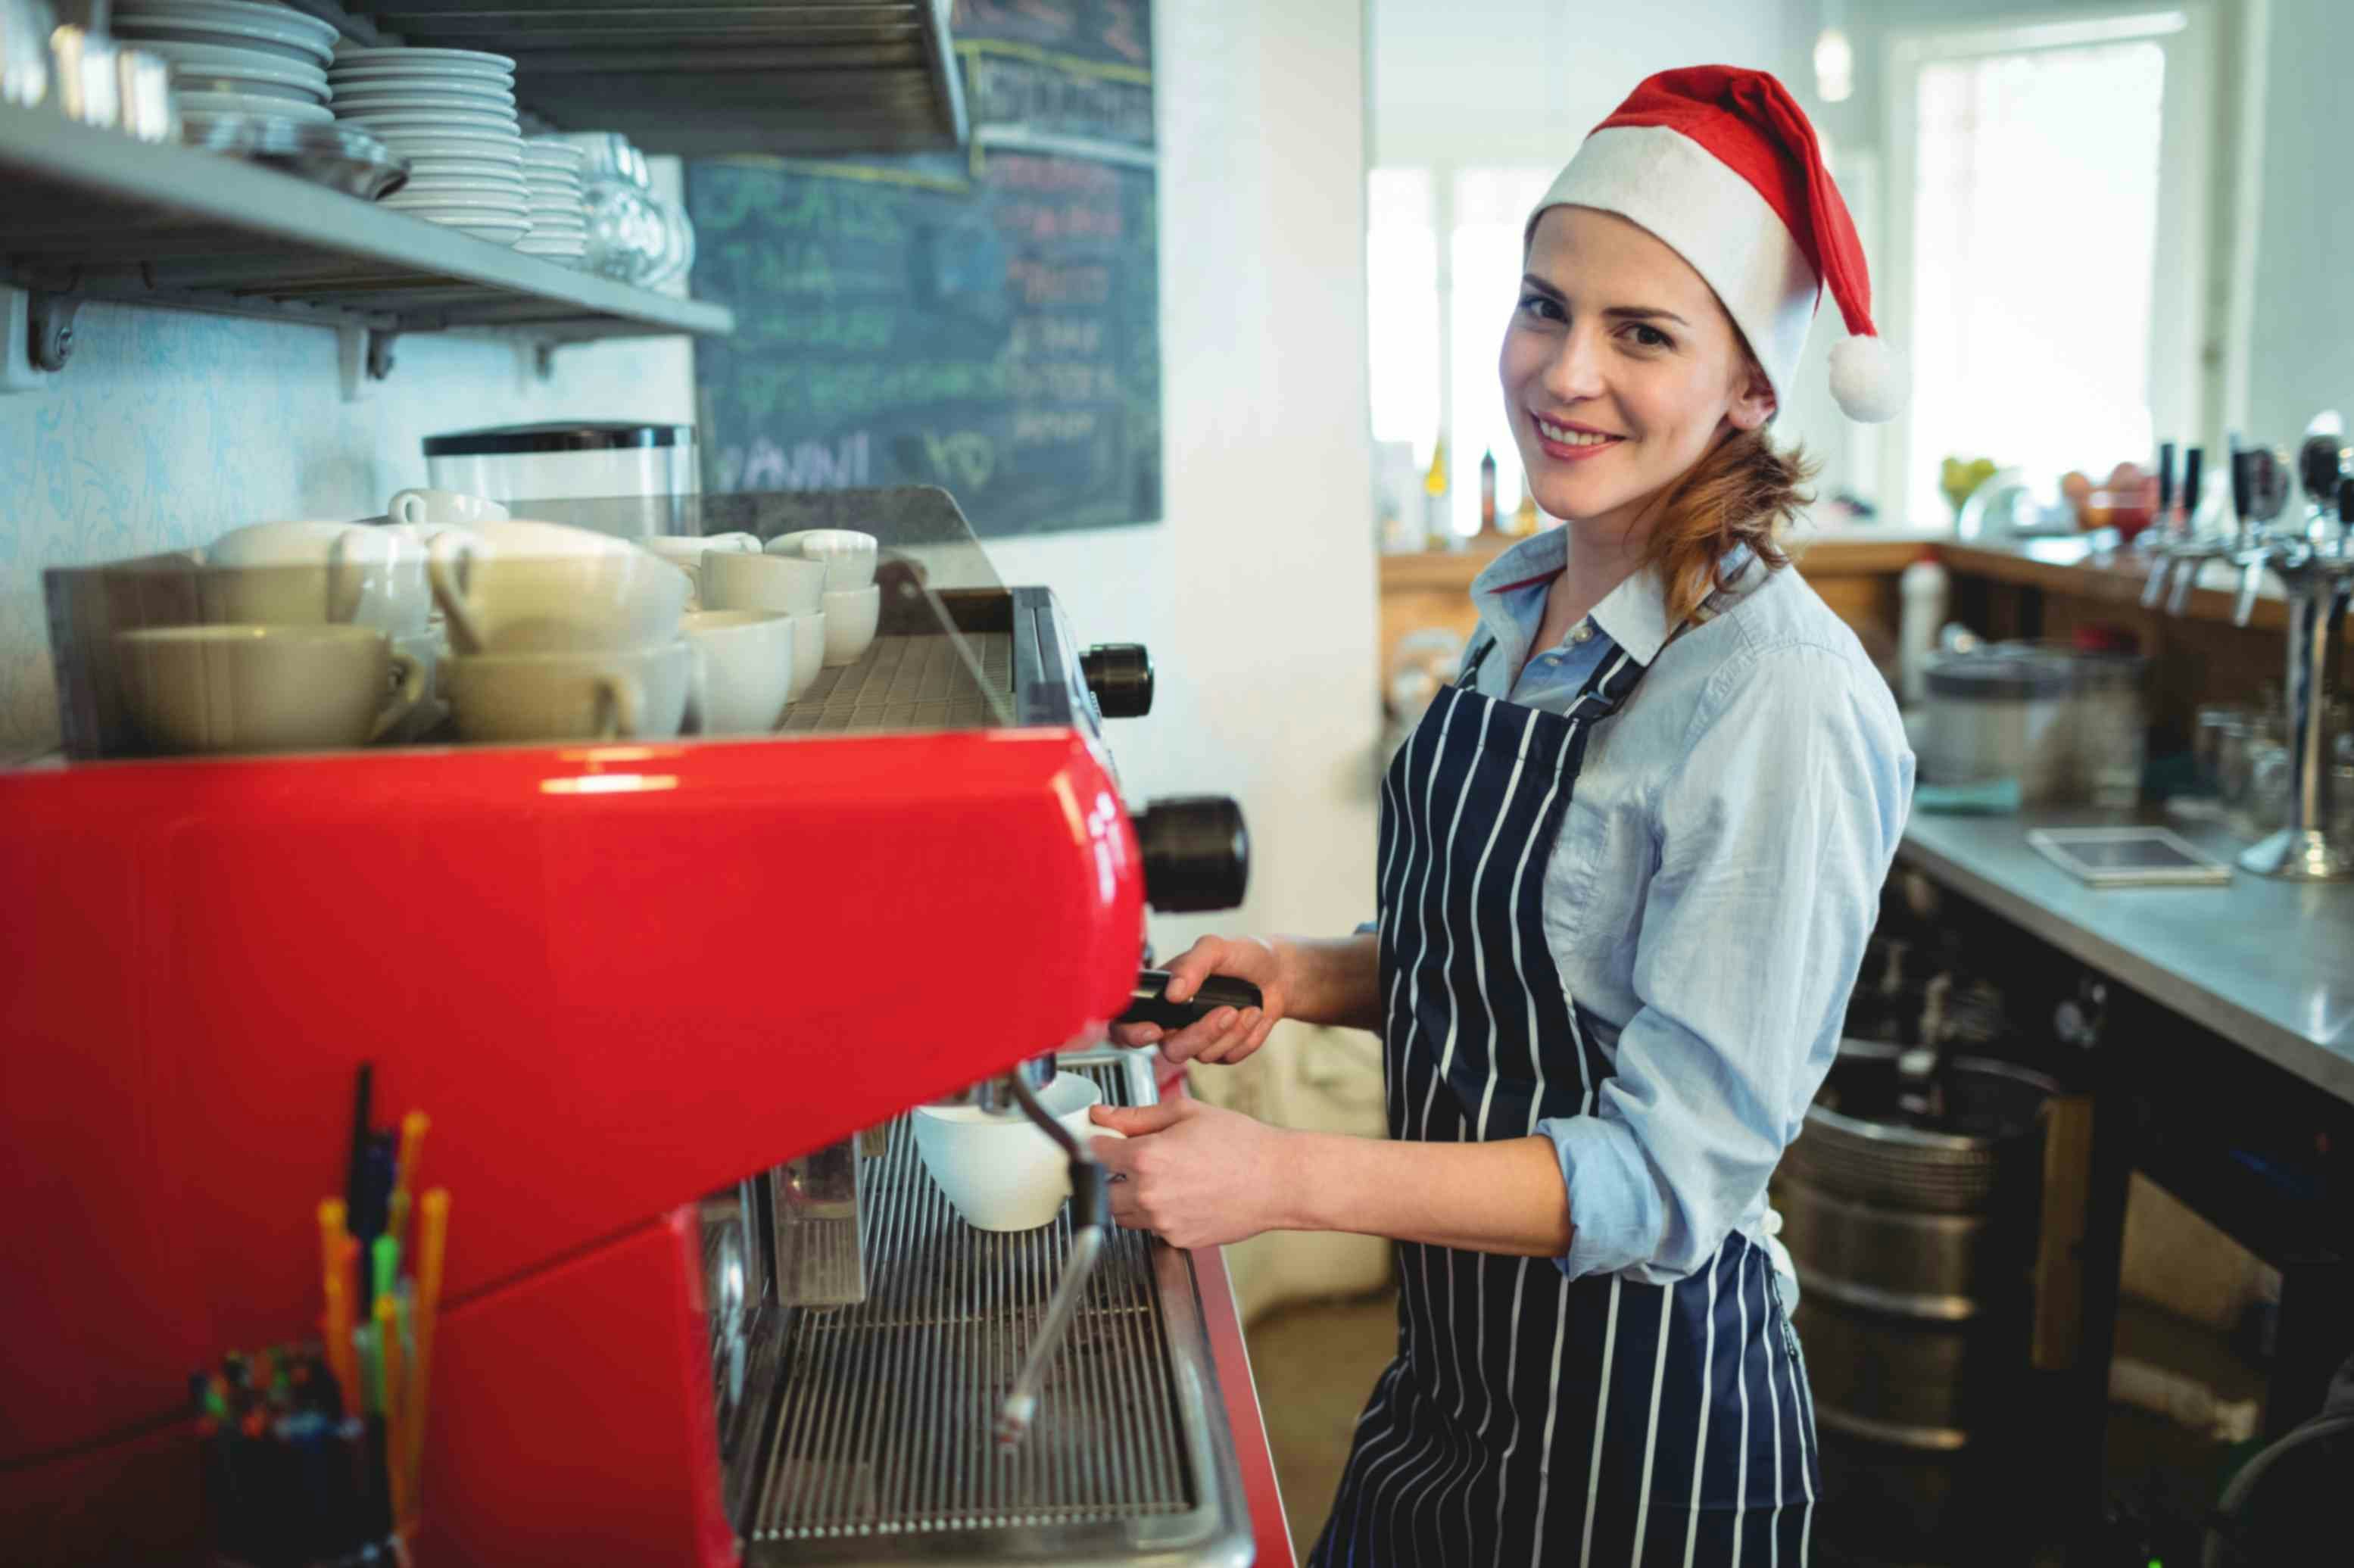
(1722, 164)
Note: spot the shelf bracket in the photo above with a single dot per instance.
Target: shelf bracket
(49, 327)
(543, 359)
(379, 353)
(18, 371)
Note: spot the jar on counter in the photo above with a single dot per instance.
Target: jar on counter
(1995, 717)
(2105, 726)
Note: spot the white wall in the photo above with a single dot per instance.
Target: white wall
(1256, 595)
(2301, 353)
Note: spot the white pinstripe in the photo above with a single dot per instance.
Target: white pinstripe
(1707, 1393)
(1800, 1416)
(1741, 1381)
(1601, 1418)
(1651, 1427)
(1774, 1403)
(1553, 1408)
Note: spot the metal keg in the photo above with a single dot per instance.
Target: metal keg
(1909, 1203)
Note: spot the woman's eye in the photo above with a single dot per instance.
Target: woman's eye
(1539, 306)
(1648, 337)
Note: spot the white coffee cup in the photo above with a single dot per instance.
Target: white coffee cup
(849, 620)
(997, 1169)
(300, 687)
(847, 553)
(685, 551)
(785, 583)
(747, 669)
(612, 693)
(303, 573)
(435, 509)
(809, 653)
(430, 648)
(524, 587)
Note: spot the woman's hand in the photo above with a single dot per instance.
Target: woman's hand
(1226, 1035)
(1197, 1175)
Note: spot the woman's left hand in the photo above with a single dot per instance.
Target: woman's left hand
(1198, 1175)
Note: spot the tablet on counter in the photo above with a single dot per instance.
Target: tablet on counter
(2128, 857)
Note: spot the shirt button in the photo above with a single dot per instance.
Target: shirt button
(1584, 631)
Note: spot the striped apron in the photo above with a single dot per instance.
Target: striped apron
(1527, 1418)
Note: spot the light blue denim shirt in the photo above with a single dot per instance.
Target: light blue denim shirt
(1710, 893)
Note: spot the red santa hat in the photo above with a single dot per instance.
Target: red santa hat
(1722, 164)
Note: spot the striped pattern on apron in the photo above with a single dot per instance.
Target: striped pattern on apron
(1527, 1418)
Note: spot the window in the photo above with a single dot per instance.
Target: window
(1435, 333)
(2037, 165)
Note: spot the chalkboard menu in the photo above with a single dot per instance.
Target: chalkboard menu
(985, 321)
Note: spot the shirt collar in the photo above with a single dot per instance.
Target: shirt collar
(1633, 614)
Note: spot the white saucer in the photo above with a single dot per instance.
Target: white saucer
(245, 103)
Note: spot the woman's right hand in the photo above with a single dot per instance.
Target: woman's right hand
(1226, 1035)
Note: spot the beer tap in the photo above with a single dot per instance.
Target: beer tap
(2259, 491)
(2181, 536)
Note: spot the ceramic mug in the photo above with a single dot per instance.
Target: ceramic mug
(784, 583)
(685, 551)
(432, 510)
(231, 688)
(809, 653)
(300, 573)
(523, 586)
(996, 1169)
(847, 555)
(747, 670)
(623, 694)
(849, 620)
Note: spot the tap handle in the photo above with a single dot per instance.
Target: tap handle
(2243, 485)
(2152, 592)
(2165, 477)
(2252, 575)
(2345, 501)
(1149, 1003)
(2184, 581)
(2194, 462)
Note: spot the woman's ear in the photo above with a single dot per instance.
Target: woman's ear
(1752, 400)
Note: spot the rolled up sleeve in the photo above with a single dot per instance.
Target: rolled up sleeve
(1772, 834)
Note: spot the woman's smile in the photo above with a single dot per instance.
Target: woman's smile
(1566, 441)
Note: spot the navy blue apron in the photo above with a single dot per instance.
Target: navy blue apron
(1529, 1419)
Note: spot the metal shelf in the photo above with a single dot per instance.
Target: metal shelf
(802, 80)
(94, 215)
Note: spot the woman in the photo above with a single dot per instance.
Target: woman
(1628, 867)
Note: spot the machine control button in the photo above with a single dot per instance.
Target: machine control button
(1197, 853)
(1120, 676)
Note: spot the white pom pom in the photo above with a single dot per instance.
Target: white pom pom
(1868, 379)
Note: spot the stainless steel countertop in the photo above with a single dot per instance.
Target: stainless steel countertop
(2269, 965)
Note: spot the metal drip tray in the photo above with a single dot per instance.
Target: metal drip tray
(881, 1447)
(910, 683)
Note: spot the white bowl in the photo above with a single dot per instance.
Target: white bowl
(849, 620)
(308, 113)
(999, 1171)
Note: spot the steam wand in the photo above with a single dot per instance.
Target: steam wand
(1091, 1217)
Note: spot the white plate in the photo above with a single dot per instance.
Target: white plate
(187, 79)
(434, 119)
(244, 103)
(420, 70)
(493, 168)
(477, 202)
(439, 97)
(467, 217)
(229, 59)
(393, 55)
(451, 144)
(276, 45)
(280, 25)
(443, 193)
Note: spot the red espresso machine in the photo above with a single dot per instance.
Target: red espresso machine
(665, 1003)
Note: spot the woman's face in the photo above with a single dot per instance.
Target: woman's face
(1620, 368)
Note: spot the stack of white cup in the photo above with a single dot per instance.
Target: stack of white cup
(561, 633)
(311, 636)
(752, 667)
(848, 602)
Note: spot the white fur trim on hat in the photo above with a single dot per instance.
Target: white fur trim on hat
(1868, 379)
(1714, 219)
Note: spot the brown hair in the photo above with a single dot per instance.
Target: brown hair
(1741, 492)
